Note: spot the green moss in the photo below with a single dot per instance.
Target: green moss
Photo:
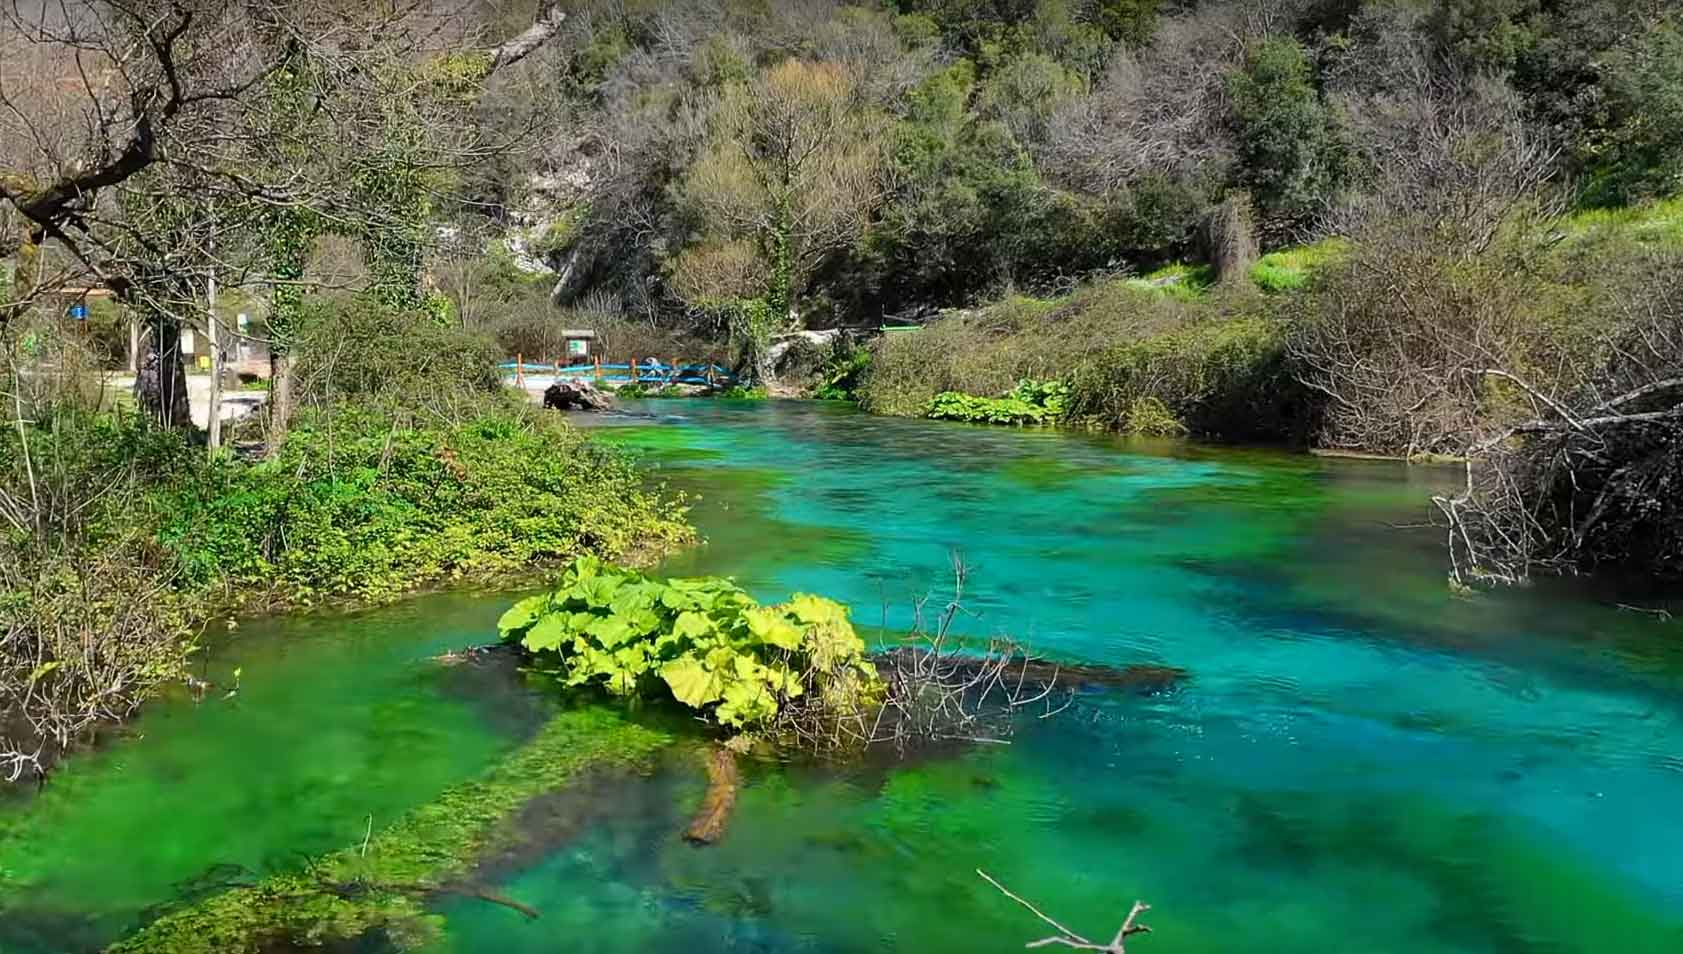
(353, 892)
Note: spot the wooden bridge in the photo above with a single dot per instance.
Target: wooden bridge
(650, 371)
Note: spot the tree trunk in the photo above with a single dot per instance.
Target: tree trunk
(1229, 238)
(160, 386)
(213, 412)
(280, 395)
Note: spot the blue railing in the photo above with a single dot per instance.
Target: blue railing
(648, 371)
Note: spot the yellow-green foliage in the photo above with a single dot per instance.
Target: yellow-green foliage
(350, 893)
(1290, 269)
(1179, 280)
(703, 641)
(1655, 223)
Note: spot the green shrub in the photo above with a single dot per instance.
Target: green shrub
(1030, 402)
(359, 504)
(704, 642)
(1224, 377)
(842, 373)
(360, 347)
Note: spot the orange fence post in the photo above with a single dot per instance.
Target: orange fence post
(597, 361)
(519, 369)
(633, 369)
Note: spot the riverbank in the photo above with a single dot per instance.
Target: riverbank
(361, 503)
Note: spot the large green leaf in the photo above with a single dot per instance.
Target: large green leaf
(547, 634)
(746, 701)
(816, 609)
(610, 631)
(692, 683)
(520, 615)
(691, 625)
(598, 591)
(771, 627)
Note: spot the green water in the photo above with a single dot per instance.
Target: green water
(1360, 761)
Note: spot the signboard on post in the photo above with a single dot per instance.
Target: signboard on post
(578, 348)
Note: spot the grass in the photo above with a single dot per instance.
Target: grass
(1657, 223)
(1176, 280)
(1289, 269)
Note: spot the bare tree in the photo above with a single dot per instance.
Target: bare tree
(182, 93)
(1434, 284)
(1591, 473)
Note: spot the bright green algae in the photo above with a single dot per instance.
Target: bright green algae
(353, 892)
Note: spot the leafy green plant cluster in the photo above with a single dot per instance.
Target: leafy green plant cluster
(841, 374)
(366, 504)
(1030, 402)
(703, 641)
(638, 389)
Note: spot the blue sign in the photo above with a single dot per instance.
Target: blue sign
(79, 312)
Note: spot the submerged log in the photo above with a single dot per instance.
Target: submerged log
(1140, 679)
(709, 823)
(576, 396)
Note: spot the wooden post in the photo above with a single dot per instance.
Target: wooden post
(709, 372)
(633, 369)
(596, 360)
(519, 370)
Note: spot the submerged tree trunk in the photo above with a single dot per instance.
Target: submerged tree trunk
(709, 823)
(160, 386)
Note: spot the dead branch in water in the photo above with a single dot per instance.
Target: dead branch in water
(709, 823)
(1068, 938)
(937, 690)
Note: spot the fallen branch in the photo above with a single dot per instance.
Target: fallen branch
(1068, 938)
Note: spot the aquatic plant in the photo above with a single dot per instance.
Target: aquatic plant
(704, 642)
(381, 884)
(1030, 402)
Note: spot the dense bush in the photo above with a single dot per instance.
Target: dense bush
(704, 642)
(364, 504)
(358, 347)
(1135, 358)
(1217, 377)
(90, 621)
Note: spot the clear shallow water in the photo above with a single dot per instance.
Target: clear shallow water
(1360, 761)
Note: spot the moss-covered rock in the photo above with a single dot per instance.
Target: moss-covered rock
(381, 887)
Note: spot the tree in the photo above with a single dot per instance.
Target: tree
(795, 168)
(181, 91)
(1639, 153)
(1288, 157)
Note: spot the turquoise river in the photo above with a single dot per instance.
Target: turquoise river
(1360, 760)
